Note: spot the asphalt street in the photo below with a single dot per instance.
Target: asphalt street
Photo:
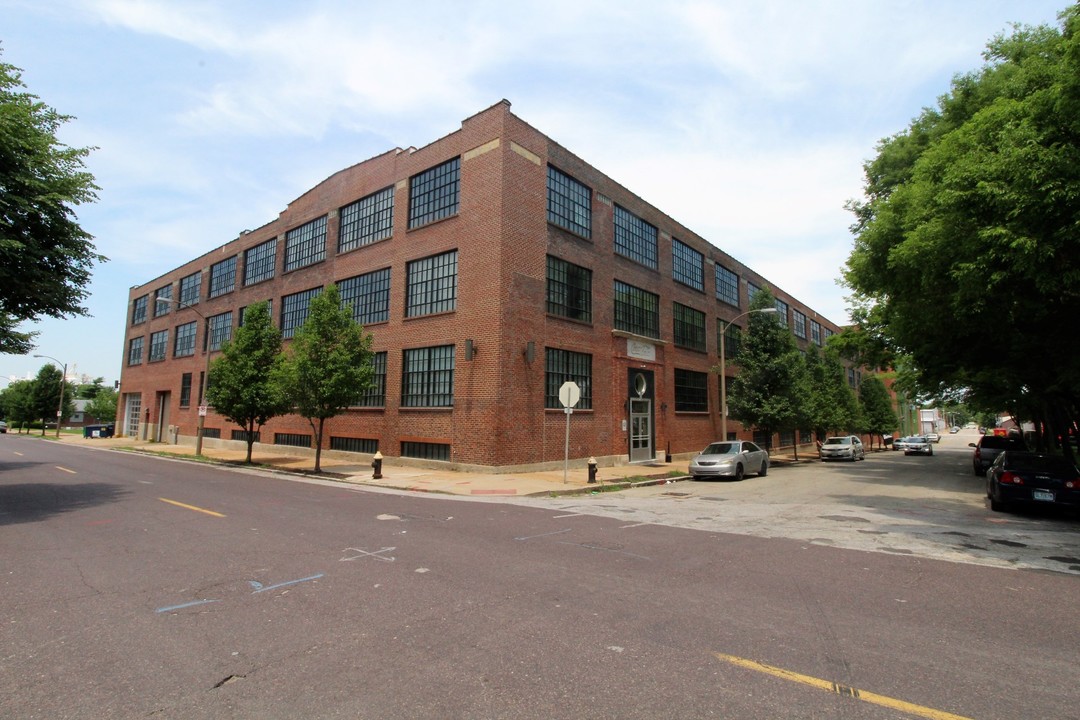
(138, 587)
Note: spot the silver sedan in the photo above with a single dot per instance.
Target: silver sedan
(732, 458)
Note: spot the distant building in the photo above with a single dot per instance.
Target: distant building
(491, 267)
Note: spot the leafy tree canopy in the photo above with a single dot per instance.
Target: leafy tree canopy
(45, 255)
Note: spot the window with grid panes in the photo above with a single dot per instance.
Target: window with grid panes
(294, 310)
(305, 245)
(260, 262)
(218, 330)
(189, 288)
(159, 343)
(185, 390)
(138, 309)
(431, 285)
(222, 277)
(368, 295)
(635, 238)
(427, 378)
(751, 291)
(569, 203)
(815, 332)
(727, 286)
(367, 220)
(433, 194)
(691, 391)
(828, 333)
(732, 338)
(781, 312)
(375, 395)
(135, 350)
(636, 310)
(687, 265)
(562, 366)
(425, 451)
(799, 326)
(569, 290)
(184, 342)
(243, 313)
(165, 296)
(689, 327)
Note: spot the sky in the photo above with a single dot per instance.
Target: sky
(748, 121)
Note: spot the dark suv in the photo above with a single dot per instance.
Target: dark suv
(989, 447)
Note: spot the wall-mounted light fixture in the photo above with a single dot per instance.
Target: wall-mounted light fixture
(470, 349)
(530, 352)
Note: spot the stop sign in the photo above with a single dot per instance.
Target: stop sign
(569, 394)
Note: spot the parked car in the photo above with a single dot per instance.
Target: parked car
(730, 458)
(919, 445)
(845, 447)
(1017, 477)
(989, 447)
(3, 426)
(933, 437)
(954, 429)
(901, 443)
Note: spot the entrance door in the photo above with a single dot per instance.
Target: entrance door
(641, 447)
(163, 416)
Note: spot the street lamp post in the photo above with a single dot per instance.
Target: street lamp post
(63, 382)
(723, 367)
(206, 373)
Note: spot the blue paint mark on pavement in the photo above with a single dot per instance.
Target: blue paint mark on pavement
(259, 588)
(184, 605)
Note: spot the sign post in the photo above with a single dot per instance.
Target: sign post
(569, 396)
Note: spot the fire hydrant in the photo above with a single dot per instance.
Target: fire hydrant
(376, 464)
(592, 470)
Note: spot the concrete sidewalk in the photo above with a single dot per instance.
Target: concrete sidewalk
(419, 479)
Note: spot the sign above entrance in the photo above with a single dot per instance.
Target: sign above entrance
(640, 350)
(569, 394)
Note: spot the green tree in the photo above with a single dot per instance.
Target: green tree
(17, 401)
(45, 255)
(88, 391)
(877, 415)
(769, 391)
(965, 259)
(328, 367)
(46, 393)
(243, 384)
(832, 406)
(102, 407)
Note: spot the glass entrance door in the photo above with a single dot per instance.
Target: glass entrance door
(641, 447)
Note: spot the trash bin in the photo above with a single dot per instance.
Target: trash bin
(98, 431)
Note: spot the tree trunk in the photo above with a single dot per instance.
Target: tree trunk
(318, 445)
(250, 431)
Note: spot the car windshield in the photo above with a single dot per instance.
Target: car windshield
(1025, 462)
(838, 441)
(721, 448)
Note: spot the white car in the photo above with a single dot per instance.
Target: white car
(730, 458)
(933, 437)
(919, 445)
(843, 447)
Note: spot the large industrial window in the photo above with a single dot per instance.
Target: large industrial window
(751, 291)
(222, 277)
(431, 285)
(190, 288)
(135, 350)
(732, 338)
(138, 310)
(687, 265)
(562, 366)
(569, 203)
(367, 220)
(185, 390)
(689, 327)
(691, 391)
(781, 312)
(425, 451)
(428, 377)
(368, 295)
(635, 238)
(637, 310)
(159, 342)
(433, 194)
(218, 330)
(569, 290)
(305, 245)
(184, 344)
(727, 286)
(260, 262)
(815, 332)
(356, 445)
(163, 301)
(800, 324)
(294, 310)
(375, 395)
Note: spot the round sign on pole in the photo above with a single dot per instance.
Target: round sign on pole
(202, 410)
(569, 394)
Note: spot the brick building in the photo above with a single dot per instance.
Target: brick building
(490, 266)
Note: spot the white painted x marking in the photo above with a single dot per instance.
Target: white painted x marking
(375, 555)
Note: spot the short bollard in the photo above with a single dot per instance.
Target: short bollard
(592, 470)
(376, 465)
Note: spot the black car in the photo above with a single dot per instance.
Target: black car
(1032, 478)
(990, 446)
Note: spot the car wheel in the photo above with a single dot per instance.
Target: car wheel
(998, 505)
(764, 469)
(739, 472)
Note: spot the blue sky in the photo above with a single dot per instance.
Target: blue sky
(748, 122)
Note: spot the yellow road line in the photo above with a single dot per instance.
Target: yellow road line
(191, 507)
(66, 470)
(830, 686)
